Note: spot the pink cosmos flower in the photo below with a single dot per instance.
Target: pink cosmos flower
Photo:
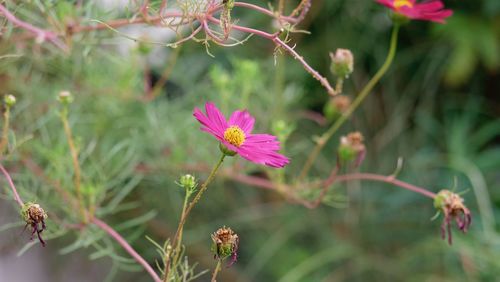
(236, 136)
(431, 10)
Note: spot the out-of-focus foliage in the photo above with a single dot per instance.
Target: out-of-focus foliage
(437, 108)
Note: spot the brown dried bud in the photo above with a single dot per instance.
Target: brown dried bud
(337, 106)
(452, 206)
(225, 244)
(352, 148)
(34, 216)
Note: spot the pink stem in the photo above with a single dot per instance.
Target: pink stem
(387, 179)
(307, 67)
(264, 11)
(12, 186)
(40, 33)
(127, 247)
(210, 33)
(246, 29)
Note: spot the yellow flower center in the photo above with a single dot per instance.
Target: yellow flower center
(401, 3)
(234, 135)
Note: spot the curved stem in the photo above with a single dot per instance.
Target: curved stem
(216, 271)
(359, 99)
(176, 242)
(118, 238)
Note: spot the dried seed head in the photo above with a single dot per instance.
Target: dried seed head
(336, 106)
(342, 63)
(34, 216)
(452, 206)
(225, 244)
(352, 148)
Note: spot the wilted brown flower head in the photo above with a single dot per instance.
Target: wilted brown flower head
(352, 148)
(225, 244)
(341, 102)
(34, 216)
(452, 206)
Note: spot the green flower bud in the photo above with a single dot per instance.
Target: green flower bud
(10, 100)
(342, 63)
(65, 97)
(188, 182)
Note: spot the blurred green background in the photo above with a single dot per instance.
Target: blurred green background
(437, 108)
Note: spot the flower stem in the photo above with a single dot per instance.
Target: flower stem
(118, 238)
(12, 186)
(76, 165)
(5, 130)
(177, 238)
(216, 270)
(359, 99)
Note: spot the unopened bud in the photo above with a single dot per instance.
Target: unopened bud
(10, 100)
(225, 244)
(342, 63)
(351, 148)
(65, 97)
(188, 182)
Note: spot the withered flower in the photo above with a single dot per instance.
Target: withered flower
(452, 206)
(225, 244)
(34, 216)
(351, 148)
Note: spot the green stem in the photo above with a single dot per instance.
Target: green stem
(178, 248)
(177, 238)
(216, 270)
(5, 130)
(76, 165)
(321, 142)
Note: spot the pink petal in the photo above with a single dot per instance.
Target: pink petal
(208, 125)
(217, 118)
(243, 120)
(265, 157)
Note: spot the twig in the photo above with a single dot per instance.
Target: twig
(120, 240)
(386, 179)
(306, 66)
(12, 186)
(41, 34)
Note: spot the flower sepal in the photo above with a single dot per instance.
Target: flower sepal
(225, 150)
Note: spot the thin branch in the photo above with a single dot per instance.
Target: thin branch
(41, 34)
(386, 179)
(12, 186)
(120, 240)
(306, 66)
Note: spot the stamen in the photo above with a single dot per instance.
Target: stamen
(234, 135)
(401, 3)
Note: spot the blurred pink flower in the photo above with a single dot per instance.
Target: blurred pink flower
(236, 136)
(428, 11)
